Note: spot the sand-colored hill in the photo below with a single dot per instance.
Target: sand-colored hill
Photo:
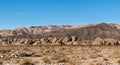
(95, 34)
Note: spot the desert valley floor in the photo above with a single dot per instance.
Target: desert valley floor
(60, 55)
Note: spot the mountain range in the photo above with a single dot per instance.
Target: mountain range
(93, 34)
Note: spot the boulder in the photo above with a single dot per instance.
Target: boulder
(111, 41)
(97, 41)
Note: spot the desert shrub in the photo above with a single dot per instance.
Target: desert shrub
(118, 61)
(27, 61)
(27, 54)
(46, 60)
(1, 62)
(6, 58)
(106, 59)
(37, 55)
(17, 60)
(63, 59)
(4, 51)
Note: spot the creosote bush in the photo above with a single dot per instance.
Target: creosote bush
(46, 60)
(27, 61)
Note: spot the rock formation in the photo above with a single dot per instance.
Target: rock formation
(97, 34)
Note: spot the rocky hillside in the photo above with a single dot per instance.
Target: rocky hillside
(90, 32)
(95, 34)
(32, 30)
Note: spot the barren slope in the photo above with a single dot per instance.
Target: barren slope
(97, 34)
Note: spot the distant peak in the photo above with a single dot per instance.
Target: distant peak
(50, 26)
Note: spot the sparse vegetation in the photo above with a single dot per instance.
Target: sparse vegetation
(71, 55)
(1, 62)
(46, 60)
(64, 59)
(27, 61)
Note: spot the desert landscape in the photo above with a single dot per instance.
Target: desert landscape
(59, 32)
(93, 44)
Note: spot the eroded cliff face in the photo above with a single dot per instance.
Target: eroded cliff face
(97, 34)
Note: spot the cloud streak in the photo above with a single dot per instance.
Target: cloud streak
(20, 13)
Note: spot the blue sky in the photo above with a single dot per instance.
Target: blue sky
(26, 13)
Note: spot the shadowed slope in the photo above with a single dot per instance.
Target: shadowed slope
(89, 33)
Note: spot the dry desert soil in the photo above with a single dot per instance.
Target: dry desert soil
(60, 55)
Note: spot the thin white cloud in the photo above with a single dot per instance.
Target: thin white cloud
(20, 13)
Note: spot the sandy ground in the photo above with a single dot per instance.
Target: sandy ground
(60, 55)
